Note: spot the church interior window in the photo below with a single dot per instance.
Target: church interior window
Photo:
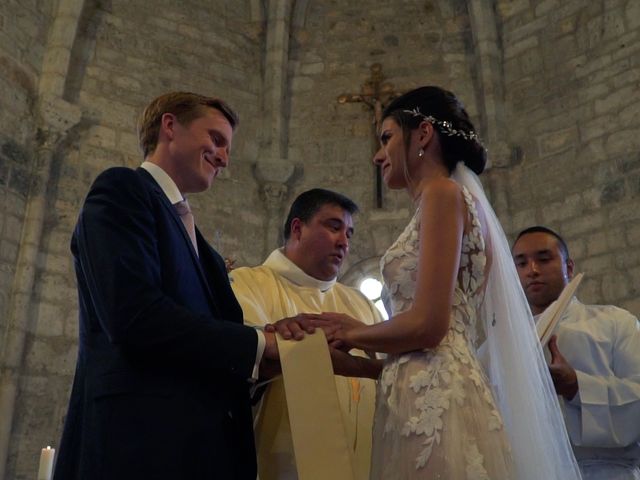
(372, 289)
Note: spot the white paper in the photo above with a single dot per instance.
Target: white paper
(551, 316)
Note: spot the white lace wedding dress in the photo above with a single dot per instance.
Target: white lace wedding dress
(436, 417)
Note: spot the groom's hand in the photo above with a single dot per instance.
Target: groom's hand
(292, 327)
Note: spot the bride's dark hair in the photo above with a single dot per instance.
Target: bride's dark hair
(410, 109)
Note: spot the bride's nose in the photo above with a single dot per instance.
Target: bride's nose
(379, 156)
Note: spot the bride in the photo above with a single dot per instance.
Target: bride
(453, 286)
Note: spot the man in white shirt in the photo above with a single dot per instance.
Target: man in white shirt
(595, 361)
(301, 278)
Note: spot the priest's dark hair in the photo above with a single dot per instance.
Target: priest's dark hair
(307, 204)
(540, 229)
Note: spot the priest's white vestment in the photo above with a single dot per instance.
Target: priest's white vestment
(279, 289)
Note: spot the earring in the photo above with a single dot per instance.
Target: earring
(421, 152)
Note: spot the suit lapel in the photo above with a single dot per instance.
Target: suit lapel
(216, 272)
(171, 211)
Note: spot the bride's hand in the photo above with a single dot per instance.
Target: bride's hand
(337, 326)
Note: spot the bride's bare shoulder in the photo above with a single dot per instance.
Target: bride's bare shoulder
(441, 190)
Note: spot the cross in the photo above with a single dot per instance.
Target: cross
(376, 94)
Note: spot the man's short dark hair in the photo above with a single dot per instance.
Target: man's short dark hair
(540, 229)
(307, 204)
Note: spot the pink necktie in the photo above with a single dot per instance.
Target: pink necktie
(183, 209)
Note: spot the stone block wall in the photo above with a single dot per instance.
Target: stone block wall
(418, 43)
(23, 33)
(125, 53)
(572, 79)
(570, 72)
(22, 38)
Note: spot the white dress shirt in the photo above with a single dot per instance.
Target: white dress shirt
(602, 343)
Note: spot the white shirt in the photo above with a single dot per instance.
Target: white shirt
(174, 195)
(602, 343)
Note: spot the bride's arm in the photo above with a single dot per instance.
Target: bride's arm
(424, 325)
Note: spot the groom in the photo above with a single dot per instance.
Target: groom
(161, 387)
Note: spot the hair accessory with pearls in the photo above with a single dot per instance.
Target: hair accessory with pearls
(445, 126)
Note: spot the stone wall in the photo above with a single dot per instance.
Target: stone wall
(22, 38)
(417, 43)
(563, 100)
(124, 54)
(23, 32)
(572, 78)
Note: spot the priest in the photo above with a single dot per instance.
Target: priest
(301, 278)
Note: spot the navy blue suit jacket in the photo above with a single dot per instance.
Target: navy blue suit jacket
(160, 388)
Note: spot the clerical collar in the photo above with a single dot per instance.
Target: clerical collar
(278, 262)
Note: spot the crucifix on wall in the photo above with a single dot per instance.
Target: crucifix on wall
(376, 94)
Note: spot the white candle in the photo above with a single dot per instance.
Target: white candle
(46, 463)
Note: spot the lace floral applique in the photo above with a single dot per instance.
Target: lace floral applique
(440, 390)
(402, 256)
(475, 463)
(447, 368)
